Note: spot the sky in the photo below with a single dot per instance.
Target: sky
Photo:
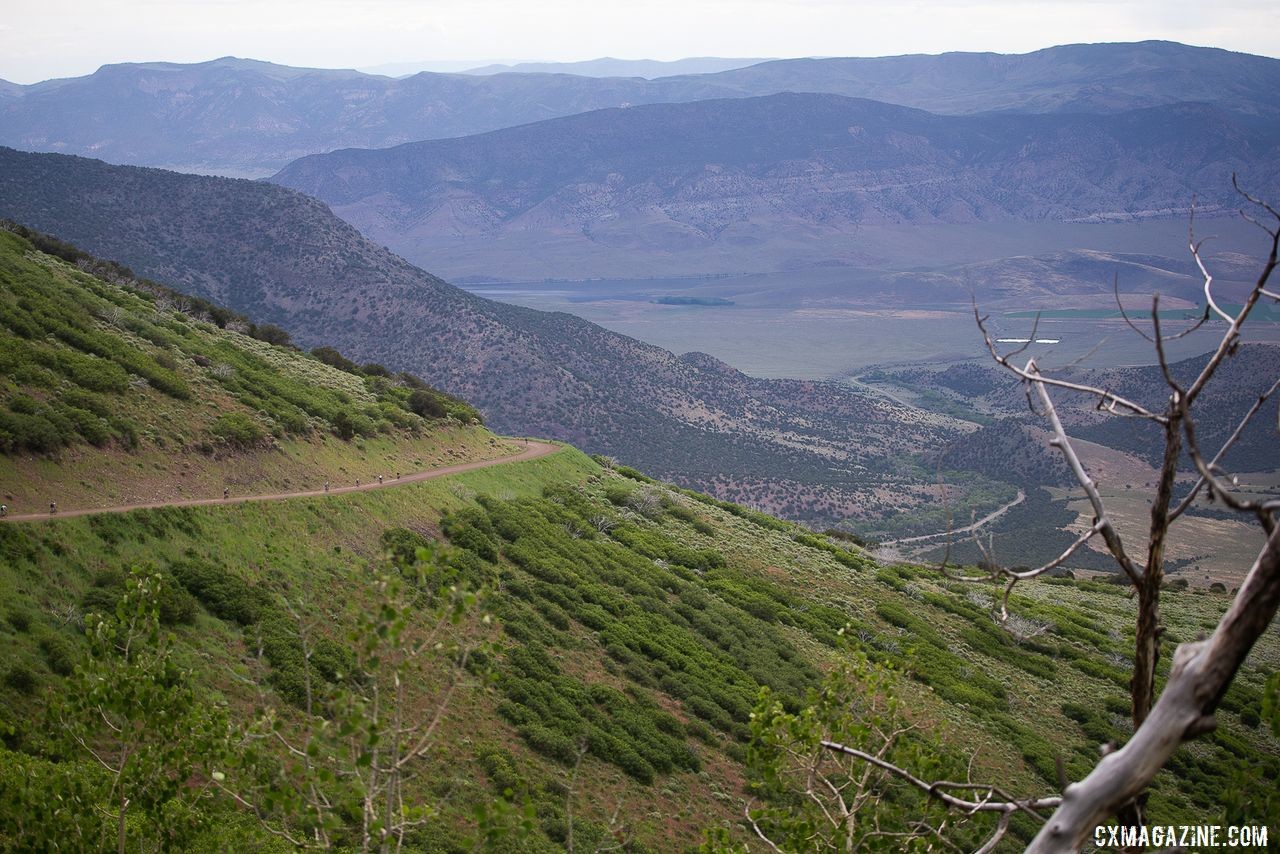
(63, 38)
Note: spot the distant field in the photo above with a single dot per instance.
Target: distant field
(908, 302)
(1201, 549)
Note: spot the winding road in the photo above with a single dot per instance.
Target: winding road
(993, 515)
(533, 451)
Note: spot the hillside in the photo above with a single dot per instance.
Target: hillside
(811, 450)
(242, 117)
(634, 619)
(612, 660)
(118, 391)
(782, 182)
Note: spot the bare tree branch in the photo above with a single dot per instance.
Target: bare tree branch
(941, 789)
(1063, 443)
(1201, 673)
(1212, 465)
(1107, 400)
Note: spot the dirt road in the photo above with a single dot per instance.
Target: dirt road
(533, 451)
(993, 515)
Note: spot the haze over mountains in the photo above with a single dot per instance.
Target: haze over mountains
(243, 117)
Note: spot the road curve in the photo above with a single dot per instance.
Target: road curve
(992, 516)
(533, 451)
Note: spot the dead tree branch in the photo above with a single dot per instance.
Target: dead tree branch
(1201, 674)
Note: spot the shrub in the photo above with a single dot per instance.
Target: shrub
(93, 428)
(334, 359)
(426, 404)
(92, 373)
(177, 606)
(403, 544)
(237, 429)
(224, 593)
(20, 619)
(126, 431)
(32, 432)
(59, 653)
(21, 679)
(349, 423)
(270, 333)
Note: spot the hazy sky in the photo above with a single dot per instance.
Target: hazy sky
(60, 38)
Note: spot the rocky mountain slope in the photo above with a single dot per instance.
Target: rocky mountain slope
(814, 450)
(242, 117)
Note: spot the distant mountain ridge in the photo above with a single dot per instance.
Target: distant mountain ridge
(1081, 78)
(608, 66)
(248, 118)
(809, 449)
(774, 182)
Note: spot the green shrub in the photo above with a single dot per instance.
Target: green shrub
(349, 423)
(426, 404)
(403, 544)
(19, 430)
(20, 619)
(237, 429)
(334, 359)
(126, 430)
(222, 591)
(21, 678)
(92, 373)
(59, 653)
(177, 606)
(93, 428)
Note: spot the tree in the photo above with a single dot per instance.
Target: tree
(1201, 671)
(821, 799)
(270, 333)
(426, 404)
(340, 778)
(132, 710)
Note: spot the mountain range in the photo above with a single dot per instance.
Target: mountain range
(773, 183)
(608, 66)
(249, 118)
(809, 449)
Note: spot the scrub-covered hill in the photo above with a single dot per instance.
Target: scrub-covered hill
(118, 390)
(576, 650)
(607, 696)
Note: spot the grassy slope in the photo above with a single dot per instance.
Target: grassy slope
(906, 617)
(109, 397)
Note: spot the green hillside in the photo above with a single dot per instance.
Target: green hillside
(581, 649)
(116, 390)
